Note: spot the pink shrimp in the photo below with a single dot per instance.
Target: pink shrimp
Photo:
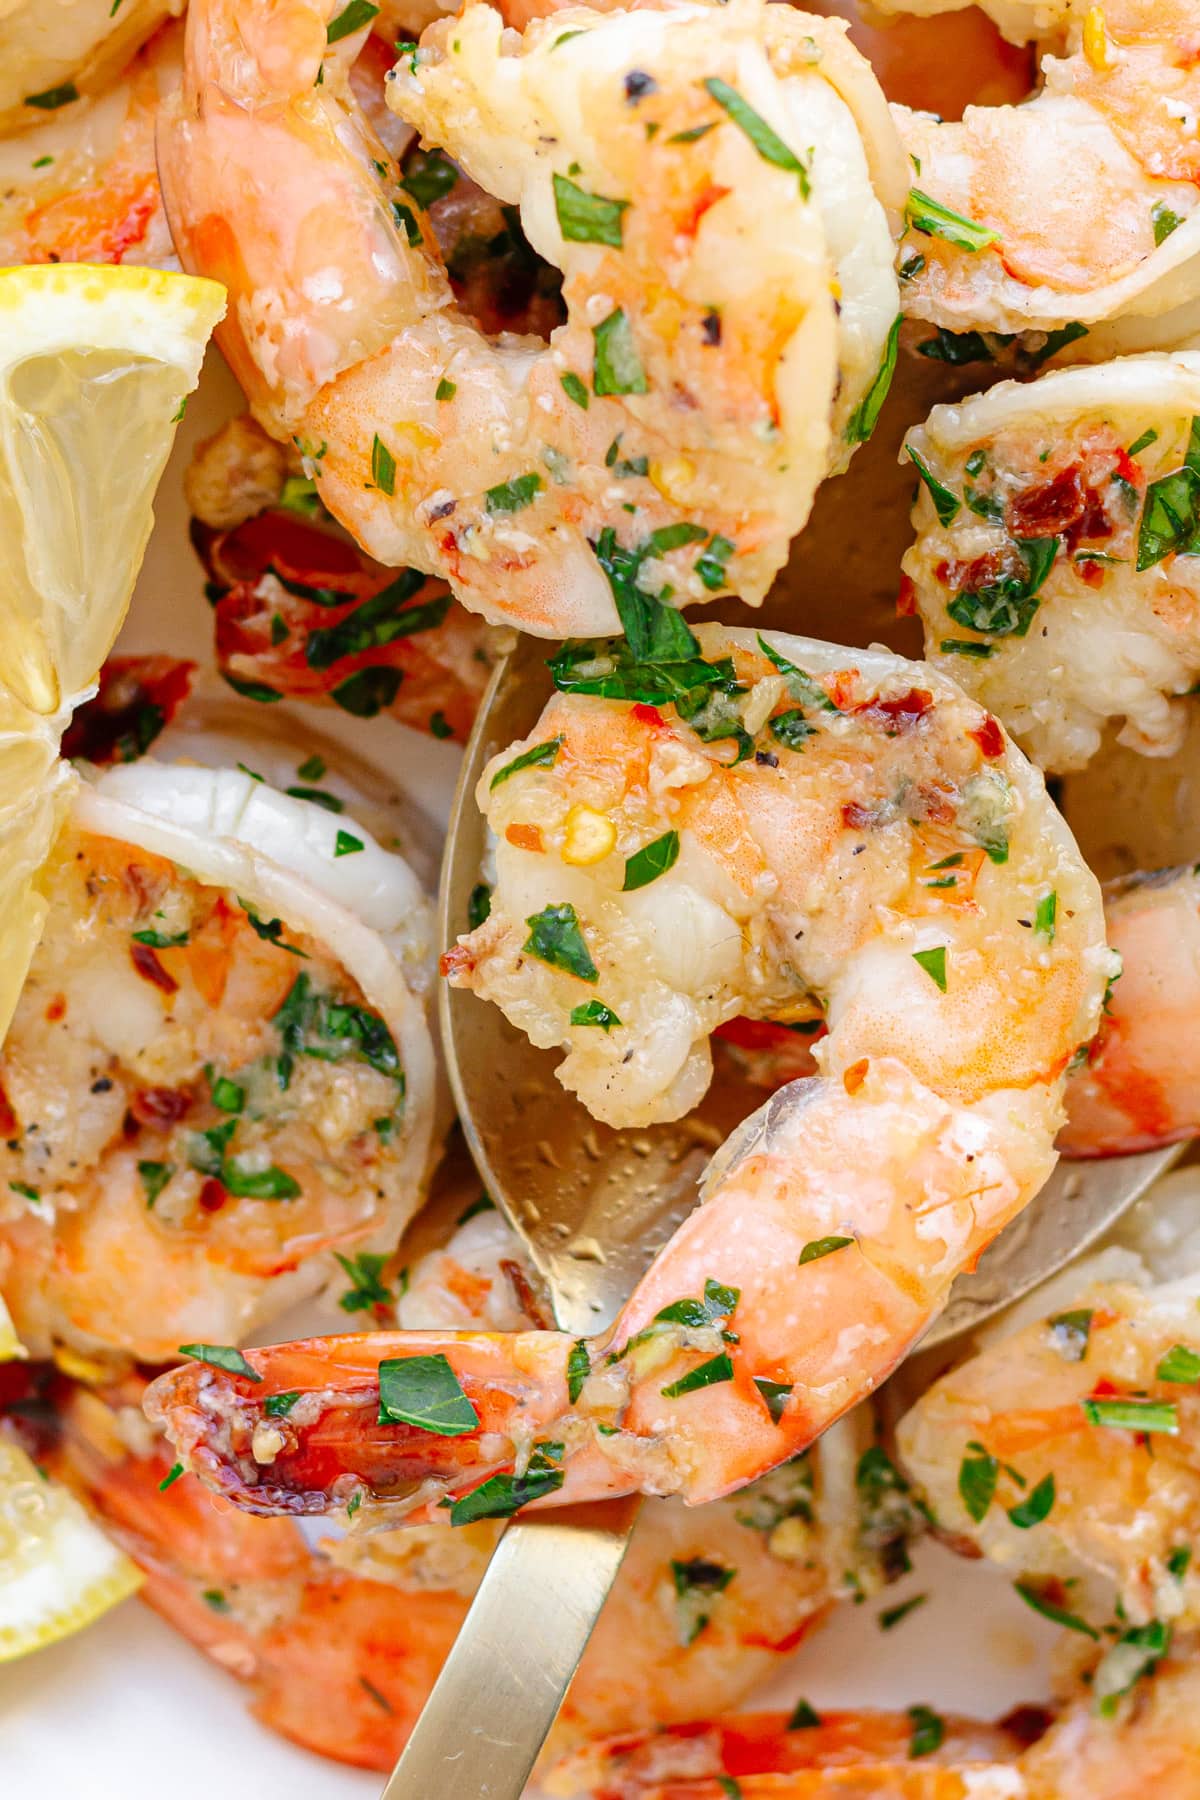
(957, 984)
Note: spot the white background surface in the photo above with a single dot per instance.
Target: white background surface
(128, 1711)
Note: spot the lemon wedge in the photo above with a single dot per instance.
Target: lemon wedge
(95, 366)
(58, 1571)
(11, 1347)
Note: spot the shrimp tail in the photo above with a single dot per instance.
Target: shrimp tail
(704, 1354)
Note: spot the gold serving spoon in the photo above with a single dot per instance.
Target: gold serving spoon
(592, 1206)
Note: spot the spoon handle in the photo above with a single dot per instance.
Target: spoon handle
(492, 1706)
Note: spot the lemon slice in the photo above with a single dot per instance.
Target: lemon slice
(95, 364)
(11, 1347)
(58, 1571)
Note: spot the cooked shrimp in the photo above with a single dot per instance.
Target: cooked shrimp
(1136, 1086)
(814, 788)
(1068, 1449)
(705, 380)
(219, 1073)
(1149, 1744)
(136, 698)
(954, 936)
(1139, 1085)
(300, 612)
(707, 1603)
(82, 186)
(1054, 567)
(1078, 206)
(50, 55)
(756, 1754)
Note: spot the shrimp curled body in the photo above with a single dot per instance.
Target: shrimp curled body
(219, 1071)
(870, 846)
(706, 179)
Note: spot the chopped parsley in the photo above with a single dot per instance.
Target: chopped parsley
(160, 940)
(651, 861)
(585, 218)
(429, 176)
(1006, 607)
(366, 1287)
(928, 1730)
(579, 1367)
(574, 389)
(708, 1374)
(818, 1247)
(934, 964)
(1036, 1505)
(930, 217)
(1180, 1364)
(445, 390)
(697, 1583)
(424, 1391)
(369, 692)
(383, 466)
(278, 1406)
(171, 1477)
(617, 368)
(502, 1495)
(865, 416)
(1069, 1332)
(945, 503)
(375, 623)
(50, 99)
(1164, 221)
(479, 905)
(766, 141)
(1133, 1415)
(977, 1477)
(1039, 1596)
(594, 1012)
(351, 18)
(221, 1356)
(346, 844)
(555, 937)
(317, 797)
(803, 1717)
(892, 1615)
(540, 756)
(1045, 918)
(154, 1177)
(515, 495)
(775, 1395)
(1170, 521)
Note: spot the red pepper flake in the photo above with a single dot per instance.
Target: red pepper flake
(906, 599)
(1091, 573)
(989, 737)
(160, 1107)
(145, 961)
(9, 1124)
(1066, 507)
(57, 1009)
(523, 1292)
(688, 222)
(1049, 507)
(856, 816)
(899, 715)
(648, 715)
(458, 962)
(212, 1195)
(856, 1074)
